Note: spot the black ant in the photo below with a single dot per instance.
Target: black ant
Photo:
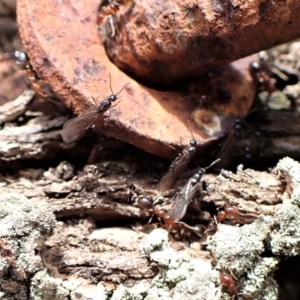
(177, 167)
(75, 129)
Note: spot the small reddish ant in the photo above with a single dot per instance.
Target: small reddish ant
(34, 80)
(171, 218)
(262, 79)
(231, 213)
(23, 60)
(108, 11)
(168, 222)
(228, 282)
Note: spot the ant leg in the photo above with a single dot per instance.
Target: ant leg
(106, 117)
(100, 18)
(114, 105)
(6, 56)
(38, 89)
(35, 81)
(109, 110)
(111, 22)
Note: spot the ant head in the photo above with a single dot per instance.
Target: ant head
(231, 211)
(238, 121)
(21, 56)
(200, 172)
(199, 230)
(114, 5)
(225, 278)
(145, 203)
(255, 66)
(112, 97)
(112, 93)
(193, 143)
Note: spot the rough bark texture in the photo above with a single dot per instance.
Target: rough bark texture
(83, 260)
(175, 40)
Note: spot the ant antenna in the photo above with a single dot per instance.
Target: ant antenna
(192, 133)
(110, 84)
(95, 102)
(215, 219)
(122, 88)
(111, 87)
(213, 163)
